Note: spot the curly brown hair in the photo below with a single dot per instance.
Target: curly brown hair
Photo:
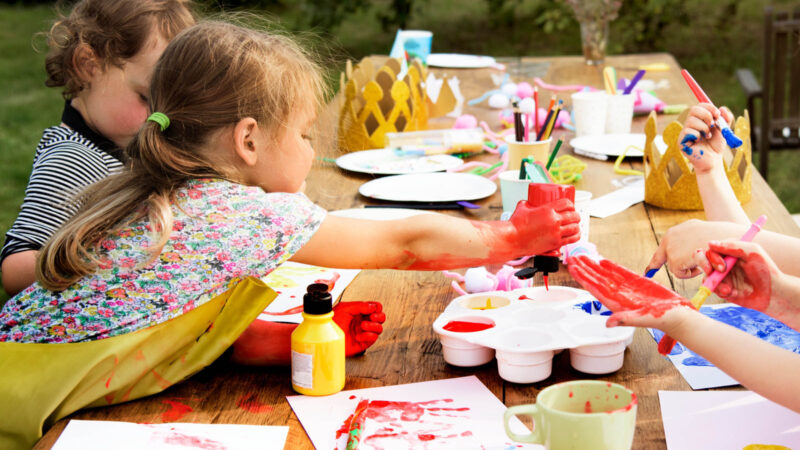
(114, 30)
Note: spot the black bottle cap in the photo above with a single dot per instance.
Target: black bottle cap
(317, 299)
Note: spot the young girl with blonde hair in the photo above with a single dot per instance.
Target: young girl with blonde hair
(167, 252)
(101, 55)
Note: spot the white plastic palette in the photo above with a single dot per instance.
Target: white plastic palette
(530, 326)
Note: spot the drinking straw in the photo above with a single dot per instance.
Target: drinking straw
(633, 82)
(609, 78)
(554, 153)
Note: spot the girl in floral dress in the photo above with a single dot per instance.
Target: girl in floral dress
(154, 278)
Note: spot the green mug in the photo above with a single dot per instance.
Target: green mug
(577, 415)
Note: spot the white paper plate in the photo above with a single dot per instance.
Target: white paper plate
(429, 187)
(460, 61)
(386, 162)
(379, 213)
(615, 144)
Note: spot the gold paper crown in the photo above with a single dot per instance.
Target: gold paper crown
(670, 181)
(376, 102)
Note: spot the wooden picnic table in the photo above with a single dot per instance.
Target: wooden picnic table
(408, 350)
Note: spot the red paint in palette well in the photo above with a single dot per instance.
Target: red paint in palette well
(249, 402)
(460, 326)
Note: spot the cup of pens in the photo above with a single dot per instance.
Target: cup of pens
(519, 150)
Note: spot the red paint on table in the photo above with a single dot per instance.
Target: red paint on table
(459, 326)
(249, 402)
(175, 412)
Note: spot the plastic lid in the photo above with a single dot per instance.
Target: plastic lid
(317, 299)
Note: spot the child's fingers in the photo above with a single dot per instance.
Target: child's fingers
(714, 260)
(625, 318)
(372, 327)
(706, 112)
(367, 338)
(615, 273)
(659, 257)
(726, 114)
(570, 230)
(738, 249)
(696, 127)
(378, 317)
(570, 217)
(562, 205)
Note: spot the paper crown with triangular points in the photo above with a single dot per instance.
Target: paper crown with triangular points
(375, 102)
(670, 180)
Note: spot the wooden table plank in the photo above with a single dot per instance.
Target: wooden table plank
(408, 350)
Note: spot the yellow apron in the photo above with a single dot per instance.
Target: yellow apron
(42, 383)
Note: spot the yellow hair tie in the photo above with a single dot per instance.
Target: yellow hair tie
(161, 119)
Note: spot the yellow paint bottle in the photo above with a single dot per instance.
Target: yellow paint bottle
(317, 346)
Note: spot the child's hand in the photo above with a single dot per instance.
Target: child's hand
(680, 247)
(361, 323)
(635, 300)
(701, 140)
(547, 227)
(750, 281)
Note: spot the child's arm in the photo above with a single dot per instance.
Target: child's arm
(636, 301)
(682, 244)
(436, 241)
(19, 271)
(704, 147)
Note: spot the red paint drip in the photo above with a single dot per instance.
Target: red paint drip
(546, 282)
(175, 412)
(295, 310)
(249, 402)
(458, 326)
(588, 407)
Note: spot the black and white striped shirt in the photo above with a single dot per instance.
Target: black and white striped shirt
(67, 160)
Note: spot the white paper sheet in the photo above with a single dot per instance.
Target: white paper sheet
(463, 404)
(725, 420)
(103, 435)
(617, 201)
(699, 373)
(290, 280)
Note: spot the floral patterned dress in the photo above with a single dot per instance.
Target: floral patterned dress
(222, 232)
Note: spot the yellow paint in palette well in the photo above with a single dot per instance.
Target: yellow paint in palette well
(483, 308)
(765, 447)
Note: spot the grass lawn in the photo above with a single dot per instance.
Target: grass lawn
(722, 36)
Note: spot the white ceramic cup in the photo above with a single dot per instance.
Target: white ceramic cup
(619, 114)
(512, 189)
(582, 201)
(589, 110)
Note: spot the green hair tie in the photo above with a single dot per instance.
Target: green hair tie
(161, 119)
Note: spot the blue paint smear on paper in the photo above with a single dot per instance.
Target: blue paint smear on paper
(593, 307)
(751, 322)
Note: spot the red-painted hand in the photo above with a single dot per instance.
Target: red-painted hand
(361, 323)
(749, 283)
(547, 227)
(635, 300)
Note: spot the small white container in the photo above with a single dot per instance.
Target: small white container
(457, 349)
(520, 358)
(480, 301)
(598, 359)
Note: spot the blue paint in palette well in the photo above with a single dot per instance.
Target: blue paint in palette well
(593, 307)
(752, 322)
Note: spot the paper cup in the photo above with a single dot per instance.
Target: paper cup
(512, 189)
(417, 43)
(619, 114)
(582, 201)
(589, 110)
(539, 150)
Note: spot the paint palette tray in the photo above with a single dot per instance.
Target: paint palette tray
(524, 328)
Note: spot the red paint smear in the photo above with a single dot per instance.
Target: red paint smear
(458, 326)
(295, 310)
(163, 382)
(113, 370)
(448, 409)
(352, 397)
(109, 398)
(588, 407)
(249, 402)
(524, 297)
(628, 407)
(185, 440)
(331, 282)
(176, 411)
(382, 410)
(570, 394)
(426, 437)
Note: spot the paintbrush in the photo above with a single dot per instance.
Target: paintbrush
(732, 140)
(711, 282)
